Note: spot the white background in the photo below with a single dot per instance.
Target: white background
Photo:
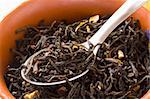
(7, 6)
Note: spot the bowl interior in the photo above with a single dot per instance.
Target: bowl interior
(31, 12)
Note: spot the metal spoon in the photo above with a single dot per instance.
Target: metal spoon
(128, 8)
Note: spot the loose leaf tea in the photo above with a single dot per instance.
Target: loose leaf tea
(49, 53)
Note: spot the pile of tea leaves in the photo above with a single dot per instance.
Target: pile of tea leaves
(121, 68)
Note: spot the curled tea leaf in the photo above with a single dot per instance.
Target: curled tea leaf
(136, 88)
(62, 90)
(130, 74)
(114, 60)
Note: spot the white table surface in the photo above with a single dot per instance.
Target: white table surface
(6, 6)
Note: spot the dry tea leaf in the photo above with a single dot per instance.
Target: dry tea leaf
(136, 88)
(130, 74)
(113, 60)
(35, 68)
(149, 46)
(62, 90)
(62, 56)
(100, 85)
(94, 19)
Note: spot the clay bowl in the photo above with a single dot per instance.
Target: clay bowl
(32, 11)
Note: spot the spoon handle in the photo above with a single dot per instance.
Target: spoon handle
(129, 7)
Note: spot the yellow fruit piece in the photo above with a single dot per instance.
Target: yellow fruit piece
(94, 19)
(88, 29)
(75, 47)
(120, 54)
(32, 95)
(81, 24)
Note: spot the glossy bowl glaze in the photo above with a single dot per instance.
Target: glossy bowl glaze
(30, 12)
